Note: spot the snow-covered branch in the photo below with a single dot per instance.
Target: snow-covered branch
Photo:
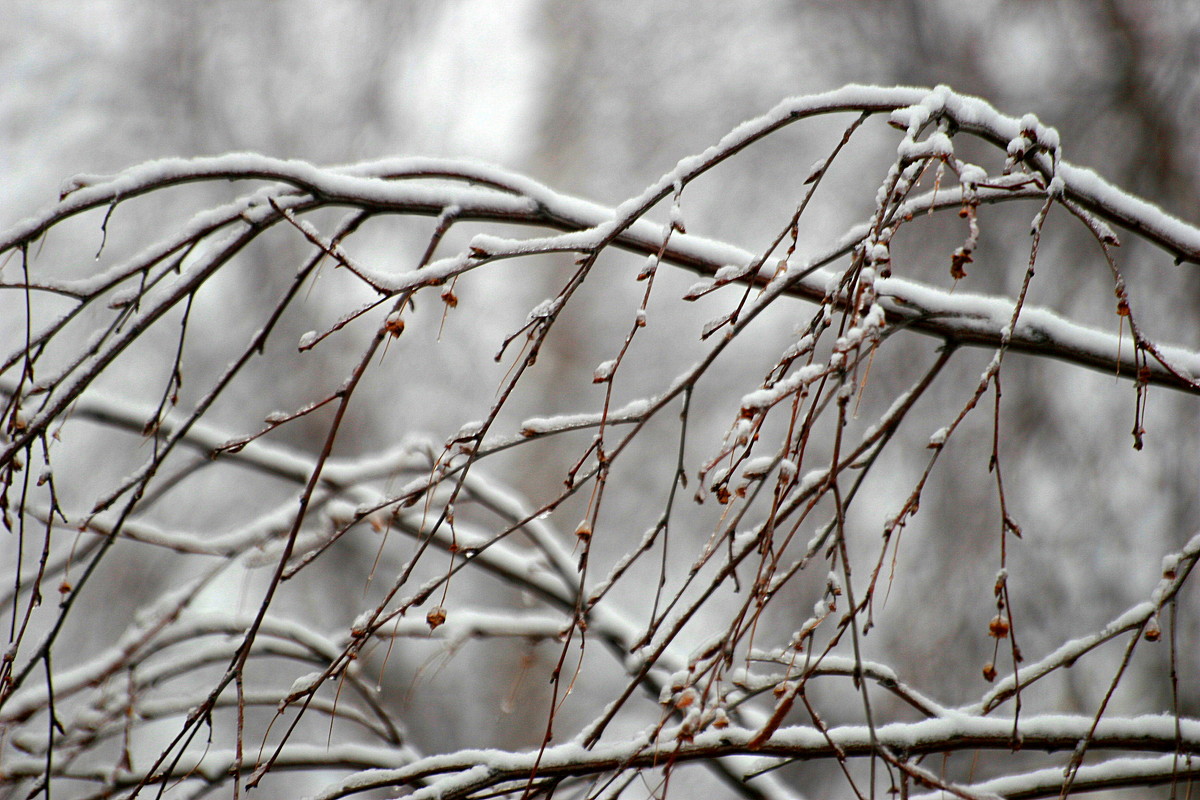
(679, 508)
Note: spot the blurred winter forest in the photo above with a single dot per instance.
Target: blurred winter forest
(901, 497)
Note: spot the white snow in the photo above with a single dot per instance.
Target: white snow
(971, 174)
(758, 467)
(766, 397)
(604, 371)
(543, 309)
(305, 683)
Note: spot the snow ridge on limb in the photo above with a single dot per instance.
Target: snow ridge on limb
(395, 187)
(377, 181)
(464, 773)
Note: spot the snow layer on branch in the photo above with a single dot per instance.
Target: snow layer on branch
(973, 314)
(984, 314)
(381, 181)
(1129, 210)
(478, 769)
(765, 398)
(463, 623)
(90, 191)
(537, 426)
(1073, 649)
(1048, 782)
(192, 627)
(758, 467)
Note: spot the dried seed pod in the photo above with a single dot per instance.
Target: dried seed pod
(435, 617)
